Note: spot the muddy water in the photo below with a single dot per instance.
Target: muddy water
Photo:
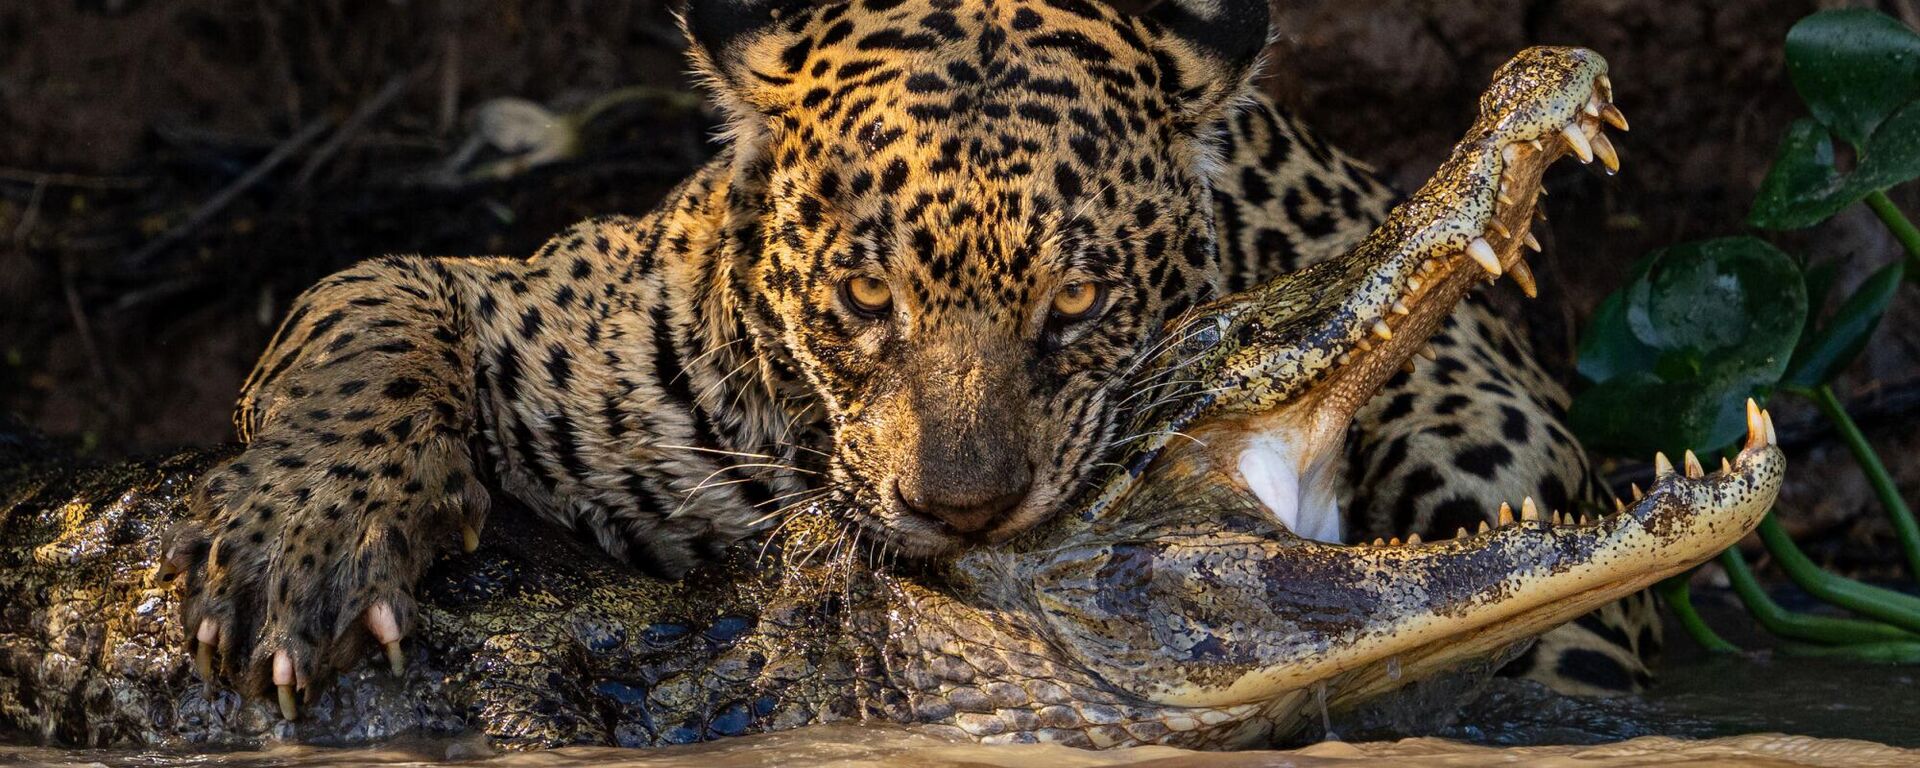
(889, 746)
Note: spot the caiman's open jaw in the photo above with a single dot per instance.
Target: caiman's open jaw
(1200, 581)
(1310, 349)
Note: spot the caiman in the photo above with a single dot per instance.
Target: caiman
(1173, 605)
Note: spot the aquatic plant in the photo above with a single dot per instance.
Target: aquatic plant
(1702, 326)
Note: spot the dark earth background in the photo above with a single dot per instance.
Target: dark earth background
(172, 174)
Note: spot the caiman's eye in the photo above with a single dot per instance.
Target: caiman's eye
(868, 296)
(1079, 300)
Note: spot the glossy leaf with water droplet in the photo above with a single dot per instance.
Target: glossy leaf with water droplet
(1674, 354)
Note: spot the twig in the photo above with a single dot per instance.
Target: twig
(28, 219)
(81, 326)
(449, 83)
(225, 197)
(72, 179)
(354, 124)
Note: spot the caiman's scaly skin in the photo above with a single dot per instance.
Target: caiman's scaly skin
(1171, 609)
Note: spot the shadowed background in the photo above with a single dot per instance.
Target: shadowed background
(172, 174)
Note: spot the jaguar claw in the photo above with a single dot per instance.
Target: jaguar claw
(386, 629)
(205, 641)
(283, 680)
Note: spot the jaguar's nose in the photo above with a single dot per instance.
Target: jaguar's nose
(966, 510)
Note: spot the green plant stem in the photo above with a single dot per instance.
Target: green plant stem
(1802, 626)
(1892, 607)
(1898, 652)
(1674, 591)
(1903, 230)
(1904, 527)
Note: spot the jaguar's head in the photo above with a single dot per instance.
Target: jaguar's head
(969, 222)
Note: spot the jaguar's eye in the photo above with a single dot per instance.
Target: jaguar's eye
(1079, 300)
(867, 295)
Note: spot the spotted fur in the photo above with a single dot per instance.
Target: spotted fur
(668, 384)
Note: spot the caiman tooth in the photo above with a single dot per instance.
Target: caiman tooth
(1523, 277)
(1726, 467)
(1484, 255)
(1528, 511)
(1364, 345)
(1613, 116)
(1500, 229)
(1577, 139)
(1584, 520)
(1533, 243)
(1381, 330)
(1506, 514)
(1603, 148)
(1400, 308)
(1483, 527)
(1379, 542)
(1691, 463)
(1510, 153)
(1426, 351)
(1408, 366)
(1773, 438)
(1605, 85)
(1661, 466)
(1462, 533)
(1618, 506)
(1413, 540)
(1593, 106)
(1637, 493)
(1413, 284)
(1756, 426)
(1393, 542)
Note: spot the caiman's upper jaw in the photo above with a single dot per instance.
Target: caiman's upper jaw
(1304, 353)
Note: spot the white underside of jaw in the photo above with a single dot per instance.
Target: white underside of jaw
(1298, 493)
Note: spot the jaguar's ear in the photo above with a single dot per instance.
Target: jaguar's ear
(743, 48)
(1221, 41)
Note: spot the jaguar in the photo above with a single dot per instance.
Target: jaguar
(939, 243)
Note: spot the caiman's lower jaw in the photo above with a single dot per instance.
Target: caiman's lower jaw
(1235, 618)
(1437, 604)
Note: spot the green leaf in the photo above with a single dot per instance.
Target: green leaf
(1675, 353)
(1854, 68)
(1835, 346)
(1805, 186)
